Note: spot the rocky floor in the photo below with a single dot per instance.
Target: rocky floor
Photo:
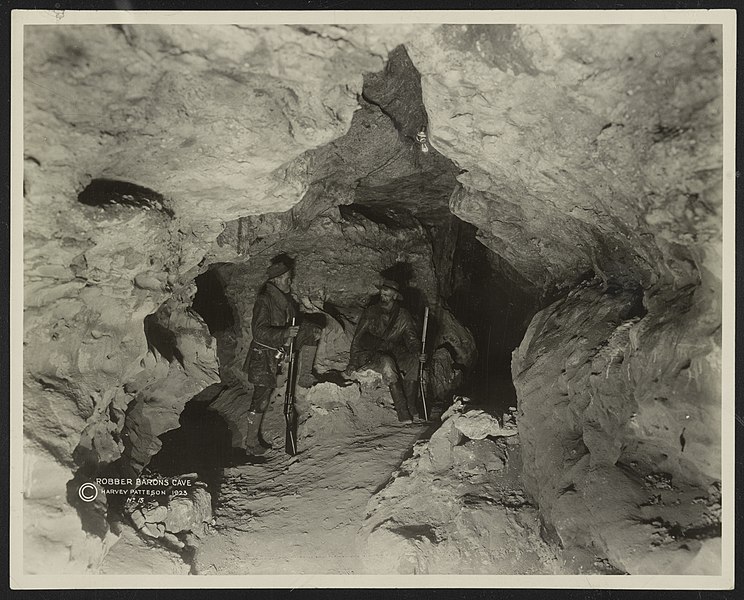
(367, 495)
(134, 555)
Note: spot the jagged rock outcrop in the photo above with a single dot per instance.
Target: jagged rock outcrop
(184, 362)
(586, 147)
(457, 506)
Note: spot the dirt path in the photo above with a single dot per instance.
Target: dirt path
(302, 515)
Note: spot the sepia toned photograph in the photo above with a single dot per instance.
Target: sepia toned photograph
(394, 296)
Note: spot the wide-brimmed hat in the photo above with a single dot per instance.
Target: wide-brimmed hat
(277, 268)
(391, 285)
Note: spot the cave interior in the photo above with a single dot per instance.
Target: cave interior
(571, 347)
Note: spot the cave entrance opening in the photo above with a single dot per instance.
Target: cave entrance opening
(496, 304)
(201, 445)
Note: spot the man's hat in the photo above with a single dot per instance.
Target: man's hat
(390, 284)
(277, 268)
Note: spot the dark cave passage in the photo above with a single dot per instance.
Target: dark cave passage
(491, 299)
(211, 303)
(200, 445)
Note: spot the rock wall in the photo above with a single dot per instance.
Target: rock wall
(457, 506)
(619, 417)
(596, 152)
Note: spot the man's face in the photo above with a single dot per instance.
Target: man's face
(284, 281)
(387, 296)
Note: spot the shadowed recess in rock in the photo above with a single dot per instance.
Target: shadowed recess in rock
(109, 193)
(211, 303)
(200, 445)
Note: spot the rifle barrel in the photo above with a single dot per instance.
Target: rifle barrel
(423, 333)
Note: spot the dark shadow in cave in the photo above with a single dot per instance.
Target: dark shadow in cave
(93, 514)
(393, 217)
(492, 300)
(201, 445)
(222, 317)
(211, 302)
(161, 339)
(110, 193)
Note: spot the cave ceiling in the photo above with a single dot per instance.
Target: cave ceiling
(572, 149)
(378, 165)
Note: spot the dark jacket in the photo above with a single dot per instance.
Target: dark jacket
(379, 331)
(272, 314)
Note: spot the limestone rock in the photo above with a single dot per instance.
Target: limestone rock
(147, 281)
(328, 409)
(563, 130)
(135, 555)
(179, 339)
(607, 400)
(54, 538)
(368, 379)
(189, 513)
(155, 530)
(156, 514)
(440, 449)
(460, 519)
(138, 518)
(477, 424)
(333, 346)
(233, 404)
(442, 376)
(330, 395)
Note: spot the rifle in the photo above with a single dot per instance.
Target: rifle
(422, 372)
(290, 416)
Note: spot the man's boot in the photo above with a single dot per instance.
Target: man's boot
(253, 446)
(399, 401)
(411, 390)
(305, 360)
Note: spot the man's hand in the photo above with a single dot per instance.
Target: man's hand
(292, 331)
(422, 358)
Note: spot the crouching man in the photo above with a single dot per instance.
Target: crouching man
(386, 341)
(272, 330)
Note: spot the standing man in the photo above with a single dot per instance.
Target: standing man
(272, 329)
(386, 341)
